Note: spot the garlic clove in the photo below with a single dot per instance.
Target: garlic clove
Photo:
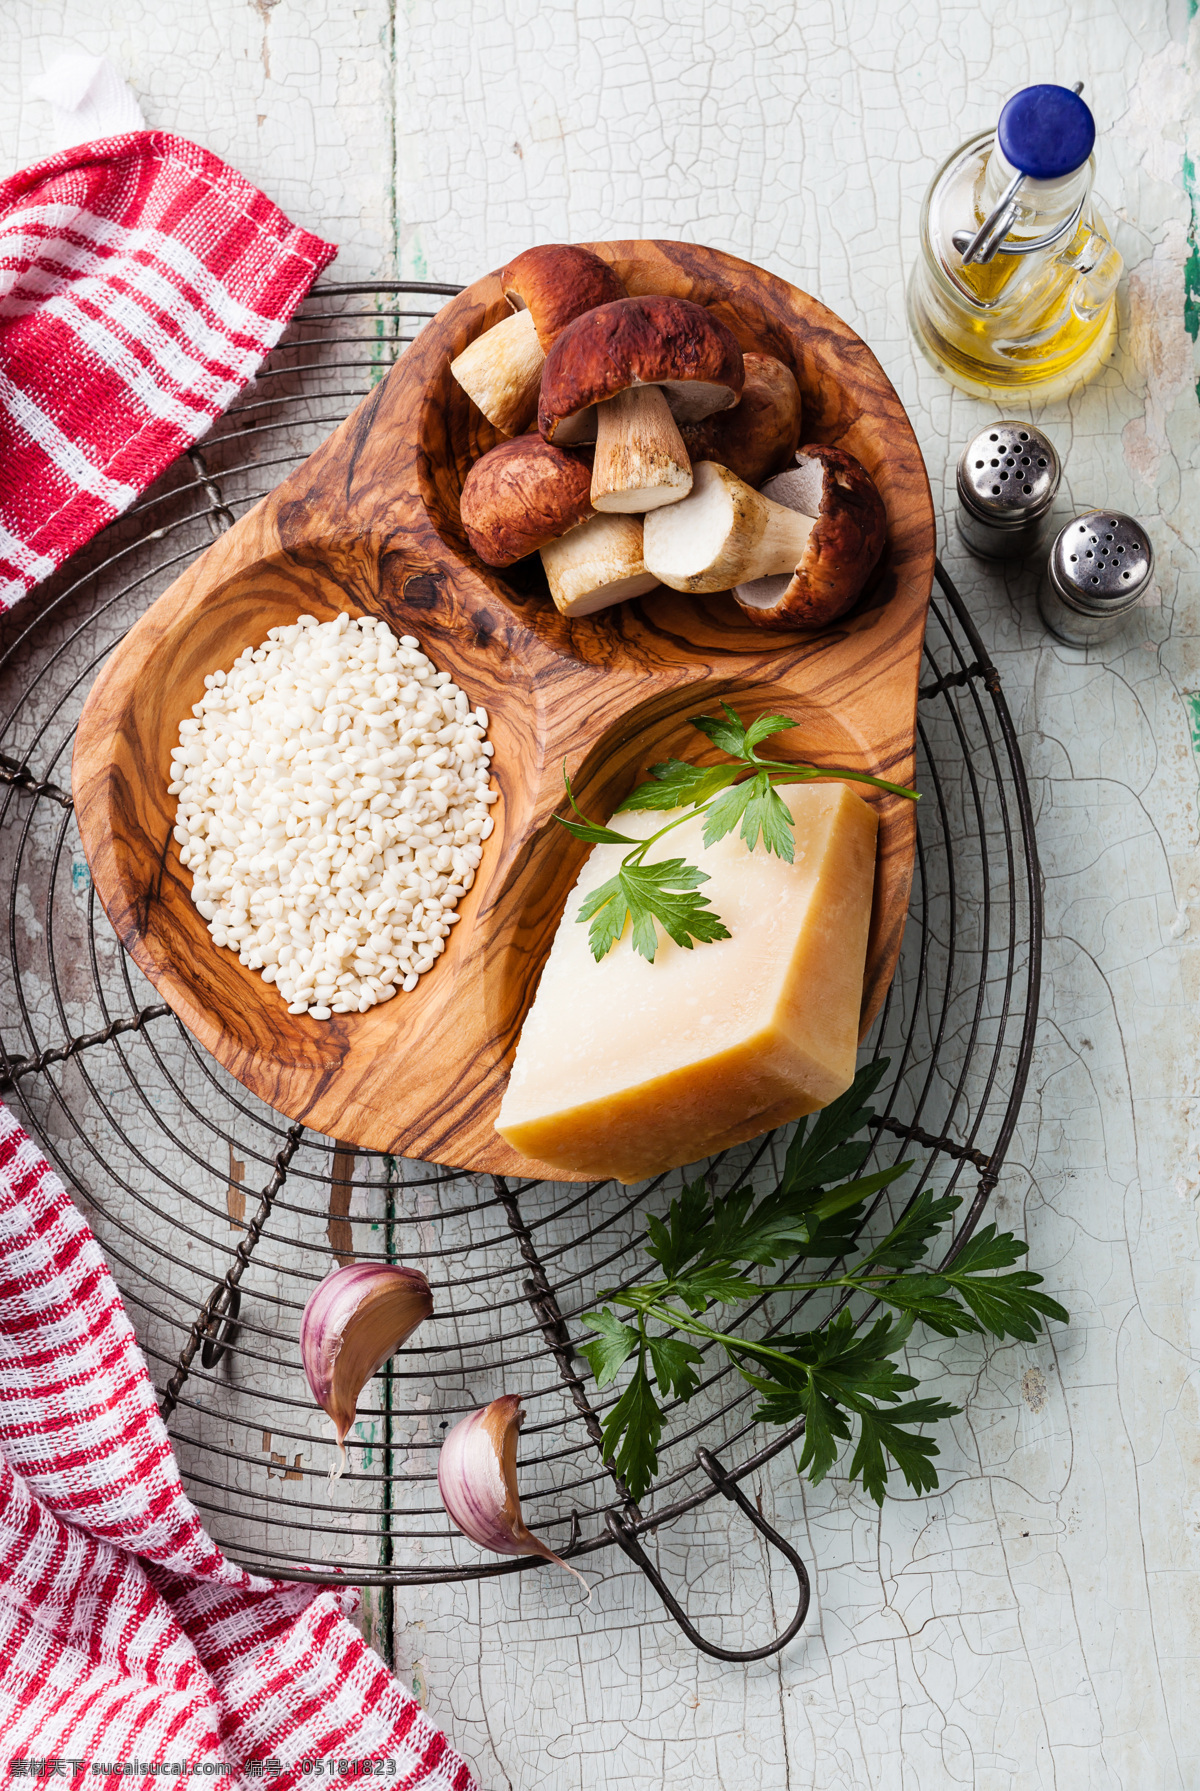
(358, 1317)
(477, 1480)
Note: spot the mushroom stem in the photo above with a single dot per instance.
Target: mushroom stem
(783, 540)
(598, 564)
(641, 462)
(724, 533)
(501, 370)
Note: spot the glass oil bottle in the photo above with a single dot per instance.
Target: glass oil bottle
(1013, 292)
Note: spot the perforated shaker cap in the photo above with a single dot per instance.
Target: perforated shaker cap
(1009, 473)
(1102, 561)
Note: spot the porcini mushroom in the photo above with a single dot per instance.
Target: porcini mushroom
(760, 435)
(596, 565)
(625, 375)
(522, 495)
(546, 289)
(850, 526)
(796, 554)
(721, 532)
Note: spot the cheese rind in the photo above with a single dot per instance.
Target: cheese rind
(626, 1068)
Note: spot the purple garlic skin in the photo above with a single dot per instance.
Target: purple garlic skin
(477, 1481)
(357, 1317)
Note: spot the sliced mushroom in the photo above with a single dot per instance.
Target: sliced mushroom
(721, 532)
(843, 549)
(760, 436)
(625, 375)
(596, 565)
(522, 495)
(500, 371)
(546, 288)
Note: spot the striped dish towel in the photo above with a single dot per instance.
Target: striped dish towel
(125, 1634)
(141, 283)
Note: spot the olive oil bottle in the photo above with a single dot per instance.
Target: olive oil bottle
(1013, 292)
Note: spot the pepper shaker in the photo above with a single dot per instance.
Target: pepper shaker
(1007, 481)
(1099, 568)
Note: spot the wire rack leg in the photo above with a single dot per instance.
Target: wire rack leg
(213, 1323)
(548, 1313)
(625, 1536)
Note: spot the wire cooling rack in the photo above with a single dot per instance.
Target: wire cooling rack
(219, 1217)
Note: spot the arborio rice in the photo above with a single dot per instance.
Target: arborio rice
(333, 800)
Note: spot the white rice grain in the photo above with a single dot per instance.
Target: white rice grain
(332, 796)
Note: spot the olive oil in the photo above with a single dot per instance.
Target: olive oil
(1037, 317)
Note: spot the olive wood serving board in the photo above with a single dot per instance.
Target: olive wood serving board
(370, 525)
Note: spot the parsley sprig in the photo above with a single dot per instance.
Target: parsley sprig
(665, 893)
(843, 1378)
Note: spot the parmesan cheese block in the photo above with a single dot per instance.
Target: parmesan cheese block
(626, 1068)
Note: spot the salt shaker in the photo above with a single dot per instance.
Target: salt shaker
(1007, 481)
(1100, 565)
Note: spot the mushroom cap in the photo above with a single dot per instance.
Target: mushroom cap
(555, 284)
(761, 435)
(655, 340)
(522, 495)
(842, 551)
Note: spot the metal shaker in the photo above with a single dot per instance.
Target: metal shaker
(1099, 567)
(1007, 481)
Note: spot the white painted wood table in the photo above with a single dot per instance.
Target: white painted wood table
(1037, 1623)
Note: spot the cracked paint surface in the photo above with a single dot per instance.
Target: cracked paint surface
(1037, 1623)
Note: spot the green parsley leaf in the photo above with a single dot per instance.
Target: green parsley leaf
(927, 1297)
(812, 1158)
(608, 1353)
(594, 834)
(824, 1366)
(908, 1241)
(985, 1249)
(808, 1227)
(676, 784)
(825, 1428)
(591, 831)
(644, 894)
(884, 1430)
(680, 1237)
(765, 726)
(631, 1433)
(712, 791)
(769, 815)
(726, 812)
(715, 1285)
(608, 910)
(761, 810)
(675, 1364)
(729, 736)
(1006, 1305)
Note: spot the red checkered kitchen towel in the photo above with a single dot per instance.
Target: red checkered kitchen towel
(141, 283)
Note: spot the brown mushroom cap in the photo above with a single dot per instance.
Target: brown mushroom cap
(522, 495)
(842, 550)
(651, 341)
(761, 435)
(556, 283)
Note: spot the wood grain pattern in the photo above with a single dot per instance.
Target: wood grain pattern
(370, 525)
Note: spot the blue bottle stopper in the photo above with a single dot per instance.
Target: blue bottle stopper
(1046, 132)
